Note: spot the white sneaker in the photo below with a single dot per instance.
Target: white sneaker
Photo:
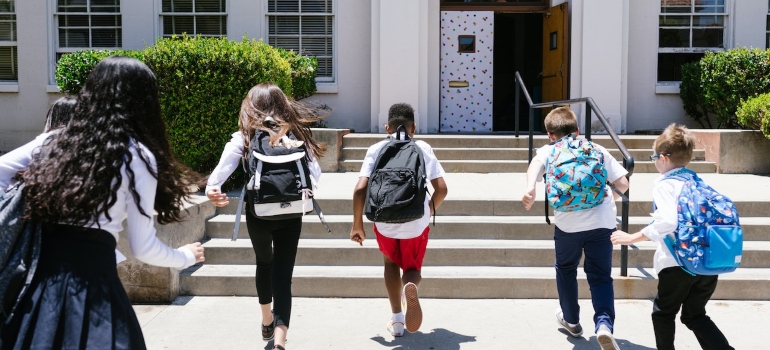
(413, 310)
(605, 338)
(396, 328)
(575, 331)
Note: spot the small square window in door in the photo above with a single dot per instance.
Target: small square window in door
(466, 44)
(553, 41)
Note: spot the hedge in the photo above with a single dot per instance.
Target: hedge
(202, 84)
(721, 81)
(754, 113)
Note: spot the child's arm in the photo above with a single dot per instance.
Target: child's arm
(534, 172)
(439, 193)
(621, 184)
(624, 238)
(664, 219)
(357, 233)
(228, 162)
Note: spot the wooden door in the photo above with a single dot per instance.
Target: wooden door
(555, 51)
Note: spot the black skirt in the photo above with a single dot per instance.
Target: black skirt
(76, 300)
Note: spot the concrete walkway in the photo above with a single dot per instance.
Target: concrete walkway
(449, 324)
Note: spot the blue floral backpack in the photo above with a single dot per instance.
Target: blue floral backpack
(575, 175)
(709, 238)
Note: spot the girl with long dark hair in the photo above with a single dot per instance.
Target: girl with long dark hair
(268, 109)
(111, 163)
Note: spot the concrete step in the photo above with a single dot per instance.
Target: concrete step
(519, 166)
(446, 252)
(497, 207)
(358, 153)
(454, 282)
(462, 227)
(495, 141)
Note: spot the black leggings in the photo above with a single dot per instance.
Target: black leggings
(275, 244)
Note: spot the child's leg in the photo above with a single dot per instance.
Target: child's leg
(285, 241)
(598, 268)
(673, 287)
(262, 242)
(569, 250)
(393, 284)
(412, 254)
(694, 314)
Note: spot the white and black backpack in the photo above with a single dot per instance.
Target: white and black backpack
(280, 186)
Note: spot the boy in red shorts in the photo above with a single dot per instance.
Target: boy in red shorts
(402, 245)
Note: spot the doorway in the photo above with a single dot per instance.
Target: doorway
(518, 47)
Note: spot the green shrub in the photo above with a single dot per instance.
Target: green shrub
(303, 71)
(731, 76)
(754, 113)
(692, 96)
(73, 68)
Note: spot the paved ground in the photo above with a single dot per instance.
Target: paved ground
(449, 324)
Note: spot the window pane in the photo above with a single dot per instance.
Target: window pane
(316, 6)
(283, 6)
(709, 21)
(315, 25)
(73, 21)
(709, 9)
(105, 21)
(7, 27)
(670, 64)
(9, 65)
(178, 25)
(317, 46)
(674, 21)
(72, 6)
(286, 43)
(7, 6)
(707, 37)
(674, 38)
(209, 5)
(105, 6)
(283, 25)
(211, 25)
(107, 37)
(675, 6)
(73, 37)
(177, 6)
(324, 68)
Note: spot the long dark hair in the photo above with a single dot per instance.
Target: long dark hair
(77, 173)
(59, 113)
(268, 100)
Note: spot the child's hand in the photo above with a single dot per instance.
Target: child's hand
(622, 238)
(197, 250)
(217, 198)
(358, 235)
(528, 198)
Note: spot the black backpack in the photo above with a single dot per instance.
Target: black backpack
(398, 184)
(280, 186)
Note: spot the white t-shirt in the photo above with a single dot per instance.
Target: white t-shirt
(600, 216)
(433, 170)
(665, 218)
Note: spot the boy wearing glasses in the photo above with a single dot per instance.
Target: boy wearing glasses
(677, 288)
(586, 230)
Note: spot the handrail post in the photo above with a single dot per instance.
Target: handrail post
(516, 109)
(531, 131)
(587, 130)
(624, 209)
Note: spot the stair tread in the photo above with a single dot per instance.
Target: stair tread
(445, 272)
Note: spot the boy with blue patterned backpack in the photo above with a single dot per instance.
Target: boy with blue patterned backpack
(576, 175)
(699, 237)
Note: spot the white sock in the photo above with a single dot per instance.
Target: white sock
(398, 317)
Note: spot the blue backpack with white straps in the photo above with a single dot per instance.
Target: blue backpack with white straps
(709, 237)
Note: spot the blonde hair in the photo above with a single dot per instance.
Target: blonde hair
(561, 121)
(677, 143)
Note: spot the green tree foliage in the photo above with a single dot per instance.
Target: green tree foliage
(754, 113)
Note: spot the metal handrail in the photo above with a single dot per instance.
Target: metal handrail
(628, 160)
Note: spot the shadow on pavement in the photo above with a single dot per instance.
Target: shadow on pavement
(437, 339)
(591, 343)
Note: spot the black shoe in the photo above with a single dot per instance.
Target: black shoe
(268, 332)
(278, 347)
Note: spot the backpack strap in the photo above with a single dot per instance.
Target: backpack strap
(238, 213)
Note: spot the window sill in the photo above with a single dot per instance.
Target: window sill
(52, 89)
(667, 88)
(9, 87)
(327, 88)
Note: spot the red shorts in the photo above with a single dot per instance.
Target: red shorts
(406, 253)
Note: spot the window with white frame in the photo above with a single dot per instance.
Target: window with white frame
(687, 30)
(9, 63)
(207, 18)
(88, 24)
(306, 27)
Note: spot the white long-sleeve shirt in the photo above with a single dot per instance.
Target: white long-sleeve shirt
(664, 220)
(141, 229)
(231, 158)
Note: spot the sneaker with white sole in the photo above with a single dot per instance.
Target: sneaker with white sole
(413, 310)
(606, 339)
(396, 328)
(575, 331)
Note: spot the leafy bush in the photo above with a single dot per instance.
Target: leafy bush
(303, 70)
(73, 69)
(692, 96)
(754, 113)
(722, 81)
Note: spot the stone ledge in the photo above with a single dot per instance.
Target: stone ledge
(333, 139)
(153, 284)
(735, 151)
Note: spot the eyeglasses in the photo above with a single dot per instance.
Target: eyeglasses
(655, 156)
